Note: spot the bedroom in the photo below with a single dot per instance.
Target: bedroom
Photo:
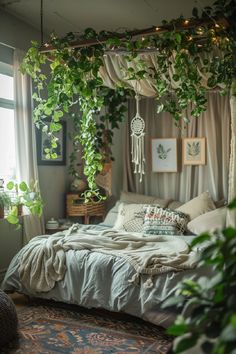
(201, 161)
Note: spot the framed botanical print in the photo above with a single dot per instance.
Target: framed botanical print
(164, 155)
(194, 151)
(43, 143)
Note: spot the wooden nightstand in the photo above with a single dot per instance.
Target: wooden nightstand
(75, 206)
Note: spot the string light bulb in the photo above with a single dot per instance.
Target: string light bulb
(186, 22)
(157, 29)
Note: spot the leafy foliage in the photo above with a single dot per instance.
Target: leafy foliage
(74, 79)
(24, 195)
(209, 304)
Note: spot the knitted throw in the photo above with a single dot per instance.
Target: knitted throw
(43, 259)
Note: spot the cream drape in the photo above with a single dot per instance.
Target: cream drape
(26, 162)
(231, 215)
(113, 73)
(214, 124)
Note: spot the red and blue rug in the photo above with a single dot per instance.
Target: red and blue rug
(73, 330)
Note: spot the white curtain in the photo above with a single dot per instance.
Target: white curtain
(231, 216)
(26, 162)
(214, 124)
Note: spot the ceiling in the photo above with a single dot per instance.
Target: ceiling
(63, 16)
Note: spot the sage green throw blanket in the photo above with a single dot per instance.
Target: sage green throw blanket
(43, 260)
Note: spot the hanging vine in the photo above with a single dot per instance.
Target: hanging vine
(182, 54)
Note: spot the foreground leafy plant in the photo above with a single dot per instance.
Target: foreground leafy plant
(208, 304)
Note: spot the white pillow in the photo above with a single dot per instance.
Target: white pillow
(210, 221)
(130, 217)
(198, 206)
(112, 214)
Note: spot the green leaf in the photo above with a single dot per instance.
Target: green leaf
(12, 219)
(23, 187)
(229, 333)
(178, 329)
(55, 127)
(10, 185)
(200, 239)
(186, 343)
(178, 38)
(232, 204)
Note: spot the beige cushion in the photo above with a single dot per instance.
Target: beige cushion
(197, 206)
(210, 221)
(128, 197)
(130, 217)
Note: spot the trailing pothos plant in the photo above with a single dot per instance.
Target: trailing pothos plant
(208, 319)
(181, 49)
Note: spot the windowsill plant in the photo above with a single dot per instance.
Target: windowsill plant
(24, 196)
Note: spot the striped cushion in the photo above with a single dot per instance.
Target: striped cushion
(164, 221)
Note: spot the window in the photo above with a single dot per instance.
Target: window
(7, 131)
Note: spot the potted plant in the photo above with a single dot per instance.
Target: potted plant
(24, 196)
(5, 202)
(207, 323)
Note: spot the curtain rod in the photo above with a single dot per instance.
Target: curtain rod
(184, 25)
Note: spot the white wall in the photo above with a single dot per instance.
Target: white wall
(16, 33)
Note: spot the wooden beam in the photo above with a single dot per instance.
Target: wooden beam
(184, 25)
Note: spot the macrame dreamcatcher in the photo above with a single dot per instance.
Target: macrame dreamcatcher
(137, 138)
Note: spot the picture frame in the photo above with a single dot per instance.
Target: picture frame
(164, 155)
(194, 151)
(42, 142)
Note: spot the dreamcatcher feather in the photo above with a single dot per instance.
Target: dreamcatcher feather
(137, 141)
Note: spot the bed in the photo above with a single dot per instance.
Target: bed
(94, 279)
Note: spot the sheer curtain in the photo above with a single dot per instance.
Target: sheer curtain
(26, 162)
(214, 124)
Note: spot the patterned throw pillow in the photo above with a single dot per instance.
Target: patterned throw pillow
(159, 221)
(130, 217)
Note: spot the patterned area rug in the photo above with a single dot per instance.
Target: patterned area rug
(60, 328)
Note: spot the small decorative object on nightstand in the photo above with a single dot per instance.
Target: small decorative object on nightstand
(75, 206)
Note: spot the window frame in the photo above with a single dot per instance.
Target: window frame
(6, 69)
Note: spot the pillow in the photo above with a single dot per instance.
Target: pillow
(159, 221)
(130, 217)
(197, 206)
(112, 214)
(135, 198)
(210, 221)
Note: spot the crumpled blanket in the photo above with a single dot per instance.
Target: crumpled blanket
(43, 259)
